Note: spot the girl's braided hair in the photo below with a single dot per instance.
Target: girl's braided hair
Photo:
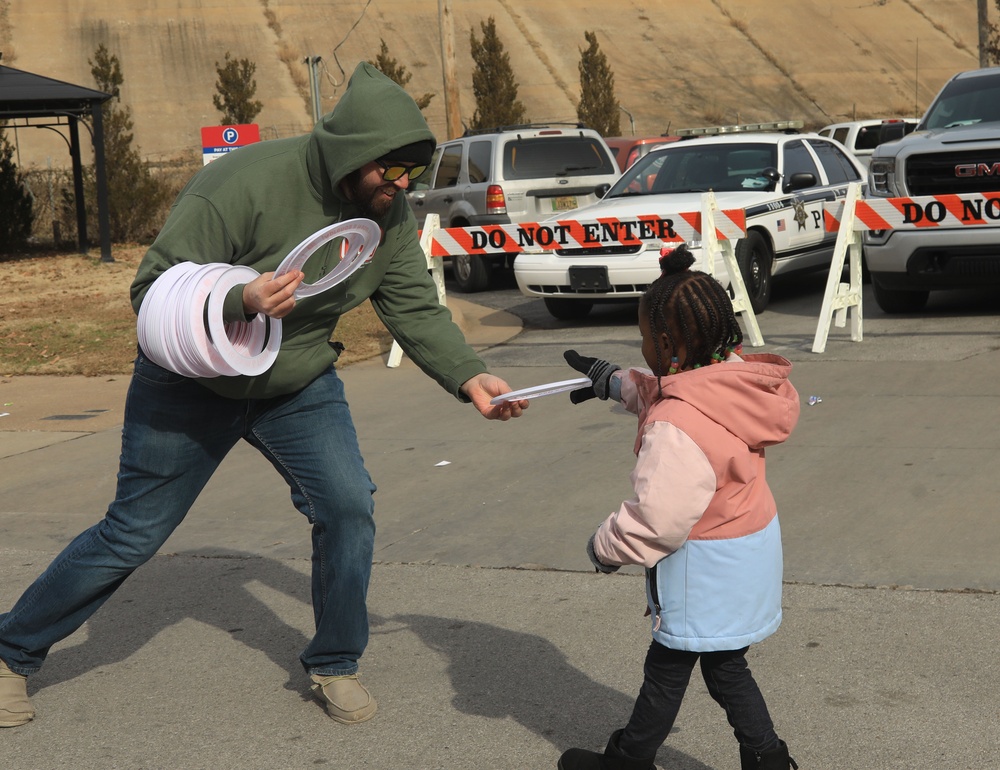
(694, 305)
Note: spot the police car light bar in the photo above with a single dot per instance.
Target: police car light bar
(780, 125)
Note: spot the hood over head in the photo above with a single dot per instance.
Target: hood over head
(418, 153)
(374, 119)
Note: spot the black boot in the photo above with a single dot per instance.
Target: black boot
(613, 758)
(772, 759)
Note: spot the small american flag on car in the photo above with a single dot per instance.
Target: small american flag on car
(781, 225)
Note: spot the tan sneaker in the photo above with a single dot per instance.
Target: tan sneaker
(346, 699)
(15, 708)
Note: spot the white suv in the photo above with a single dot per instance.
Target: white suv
(508, 176)
(781, 181)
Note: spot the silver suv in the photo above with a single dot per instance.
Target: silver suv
(507, 176)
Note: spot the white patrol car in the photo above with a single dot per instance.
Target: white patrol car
(779, 177)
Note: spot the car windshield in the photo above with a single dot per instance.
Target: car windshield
(965, 102)
(542, 157)
(699, 168)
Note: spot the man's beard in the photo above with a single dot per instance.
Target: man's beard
(366, 198)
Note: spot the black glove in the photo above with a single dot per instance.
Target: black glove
(599, 566)
(597, 369)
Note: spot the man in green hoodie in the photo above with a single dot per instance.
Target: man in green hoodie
(252, 207)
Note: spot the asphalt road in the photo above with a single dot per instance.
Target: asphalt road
(889, 479)
(493, 642)
(954, 326)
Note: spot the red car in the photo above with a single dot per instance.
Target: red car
(628, 149)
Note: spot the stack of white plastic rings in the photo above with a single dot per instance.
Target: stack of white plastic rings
(180, 324)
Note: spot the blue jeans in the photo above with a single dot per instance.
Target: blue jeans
(666, 676)
(175, 434)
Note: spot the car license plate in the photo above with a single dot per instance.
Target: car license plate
(589, 279)
(564, 203)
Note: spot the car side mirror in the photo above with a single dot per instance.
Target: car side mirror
(800, 181)
(602, 189)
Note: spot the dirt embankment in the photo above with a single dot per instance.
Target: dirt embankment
(676, 64)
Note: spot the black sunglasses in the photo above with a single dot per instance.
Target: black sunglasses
(392, 173)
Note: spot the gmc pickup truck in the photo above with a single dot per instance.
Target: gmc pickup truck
(955, 149)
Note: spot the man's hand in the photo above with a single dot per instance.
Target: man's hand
(274, 297)
(483, 387)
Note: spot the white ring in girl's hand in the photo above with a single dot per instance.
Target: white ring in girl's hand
(361, 238)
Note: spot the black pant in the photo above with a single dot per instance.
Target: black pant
(729, 682)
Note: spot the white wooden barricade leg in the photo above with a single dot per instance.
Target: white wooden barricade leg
(710, 247)
(839, 297)
(436, 266)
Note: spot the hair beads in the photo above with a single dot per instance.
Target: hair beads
(691, 306)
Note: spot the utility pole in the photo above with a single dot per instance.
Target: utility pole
(452, 108)
(983, 33)
(311, 62)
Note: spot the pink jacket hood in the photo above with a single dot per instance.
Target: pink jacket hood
(751, 396)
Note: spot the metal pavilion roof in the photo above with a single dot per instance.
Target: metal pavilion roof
(25, 94)
(45, 102)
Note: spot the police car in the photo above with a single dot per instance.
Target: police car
(780, 178)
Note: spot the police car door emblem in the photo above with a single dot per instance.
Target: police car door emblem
(800, 214)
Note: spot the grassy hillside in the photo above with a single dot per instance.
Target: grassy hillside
(677, 63)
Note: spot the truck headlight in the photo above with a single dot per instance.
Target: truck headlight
(882, 177)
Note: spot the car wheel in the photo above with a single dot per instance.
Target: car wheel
(471, 272)
(753, 254)
(898, 300)
(568, 309)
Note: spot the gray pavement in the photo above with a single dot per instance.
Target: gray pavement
(493, 643)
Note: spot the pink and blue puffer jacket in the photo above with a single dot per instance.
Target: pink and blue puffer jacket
(703, 520)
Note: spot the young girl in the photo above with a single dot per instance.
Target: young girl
(703, 521)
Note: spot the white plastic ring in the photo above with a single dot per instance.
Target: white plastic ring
(180, 324)
(181, 327)
(246, 347)
(361, 238)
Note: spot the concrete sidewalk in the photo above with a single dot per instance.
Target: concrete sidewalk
(493, 643)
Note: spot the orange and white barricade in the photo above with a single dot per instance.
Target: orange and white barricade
(717, 229)
(840, 297)
(714, 241)
(853, 215)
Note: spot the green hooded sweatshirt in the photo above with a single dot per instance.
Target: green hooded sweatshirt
(253, 206)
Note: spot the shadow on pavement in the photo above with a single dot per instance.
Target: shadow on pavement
(171, 589)
(502, 674)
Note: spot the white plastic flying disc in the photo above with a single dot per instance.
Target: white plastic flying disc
(548, 389)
